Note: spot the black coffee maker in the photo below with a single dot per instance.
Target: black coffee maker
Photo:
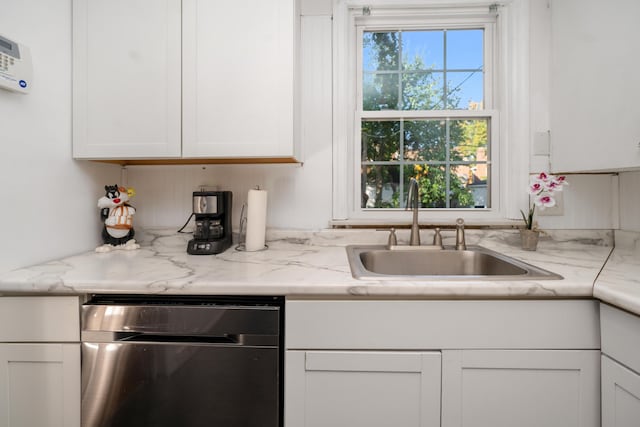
(213, 233)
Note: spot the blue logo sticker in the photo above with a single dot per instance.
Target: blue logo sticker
(22, 83)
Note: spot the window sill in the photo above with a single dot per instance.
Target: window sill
(472, 224)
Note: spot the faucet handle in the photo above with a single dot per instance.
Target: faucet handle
(437, 237)
(460, 241)
(393, 240)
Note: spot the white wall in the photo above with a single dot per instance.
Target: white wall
(49, 200)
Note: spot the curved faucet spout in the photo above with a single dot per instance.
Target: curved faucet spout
(413, 201)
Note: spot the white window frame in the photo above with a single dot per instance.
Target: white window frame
(506, 100)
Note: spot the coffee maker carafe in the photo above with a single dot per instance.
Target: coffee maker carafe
(212, 233)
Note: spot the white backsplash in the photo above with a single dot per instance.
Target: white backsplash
(630, 201)
(300, 196)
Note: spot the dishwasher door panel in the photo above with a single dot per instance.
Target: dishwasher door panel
(172, 384)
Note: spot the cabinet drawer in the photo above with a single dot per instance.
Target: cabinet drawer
(423, 325)
(39, 318)
(620, 336)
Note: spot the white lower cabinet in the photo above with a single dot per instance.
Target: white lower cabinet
(39, 361)
(620, 367)
(367, 388)
(524, 388)
(39, 385)
(442, 363)
(620, 395)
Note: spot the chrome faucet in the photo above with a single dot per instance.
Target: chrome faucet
(413, 199)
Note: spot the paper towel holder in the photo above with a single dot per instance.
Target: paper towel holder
(243, 232)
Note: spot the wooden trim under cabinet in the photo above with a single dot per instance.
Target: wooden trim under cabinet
(221, 161)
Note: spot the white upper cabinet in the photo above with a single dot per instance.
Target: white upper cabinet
(180, 79)
(238, 64)
(126, 78)
(595, 113)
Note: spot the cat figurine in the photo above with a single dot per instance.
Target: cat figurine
(117, 215)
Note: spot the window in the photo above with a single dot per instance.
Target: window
(431, 73)
(406, 77)
(419, 92)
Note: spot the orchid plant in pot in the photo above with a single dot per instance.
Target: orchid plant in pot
(541, 189)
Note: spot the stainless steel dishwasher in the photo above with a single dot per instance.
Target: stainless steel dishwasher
(182, 361)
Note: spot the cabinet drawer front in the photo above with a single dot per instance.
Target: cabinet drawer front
(620, 336)
(39, 318)
(425, 325)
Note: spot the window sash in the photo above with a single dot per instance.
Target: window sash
(357, 211)
(488, 63)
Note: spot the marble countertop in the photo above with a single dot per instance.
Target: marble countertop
(619, 282)
(308, 264)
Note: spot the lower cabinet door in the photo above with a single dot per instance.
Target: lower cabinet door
(368, 388)
(40, 385)
(620, 395)
(524, 388)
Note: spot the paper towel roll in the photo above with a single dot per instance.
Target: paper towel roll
(256, 220)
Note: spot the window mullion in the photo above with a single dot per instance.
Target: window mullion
(400, 69)
(402, 162)
(445, 84)
(447, 166)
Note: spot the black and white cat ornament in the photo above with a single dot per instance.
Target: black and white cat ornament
(117, 214)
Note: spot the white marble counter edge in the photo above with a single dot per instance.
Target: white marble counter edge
(619, 281)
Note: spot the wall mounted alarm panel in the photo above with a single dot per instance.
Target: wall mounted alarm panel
(16, 70)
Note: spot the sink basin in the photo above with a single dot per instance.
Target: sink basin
(426, 263)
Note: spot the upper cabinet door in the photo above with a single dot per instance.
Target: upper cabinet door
(238, 78)
(595, 88)
(126, 78)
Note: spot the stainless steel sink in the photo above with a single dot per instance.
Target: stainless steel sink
(425, 263)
